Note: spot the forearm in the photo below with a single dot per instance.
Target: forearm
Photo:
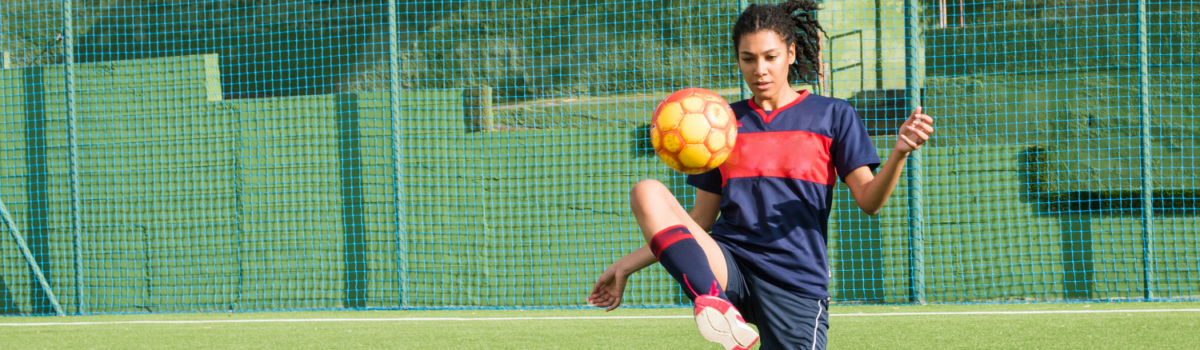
(635, 261)
(880, 188)
(704, 212)
(704, 220)
(871, 192)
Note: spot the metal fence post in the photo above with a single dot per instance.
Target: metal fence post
(1147, 156)
(33, 265)
(394, 77)
(5, 59)
(915, 72)
(73, 153)
(742, 5)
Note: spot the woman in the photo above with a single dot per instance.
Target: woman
(765, 261)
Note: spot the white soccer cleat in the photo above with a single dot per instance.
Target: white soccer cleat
(720, 322)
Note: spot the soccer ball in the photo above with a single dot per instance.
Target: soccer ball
(693, 130)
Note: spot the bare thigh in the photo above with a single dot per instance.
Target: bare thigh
(656, 209)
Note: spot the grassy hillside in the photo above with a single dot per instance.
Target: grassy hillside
(550, 49)
(526, 49)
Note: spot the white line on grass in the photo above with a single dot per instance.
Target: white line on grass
(399, 319)
(405, 319)
(1020, 312)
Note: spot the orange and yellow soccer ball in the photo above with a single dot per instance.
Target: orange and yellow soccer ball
(693, 130)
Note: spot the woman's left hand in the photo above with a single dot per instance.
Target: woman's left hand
(915, 131)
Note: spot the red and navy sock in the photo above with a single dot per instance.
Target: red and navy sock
(679, 252)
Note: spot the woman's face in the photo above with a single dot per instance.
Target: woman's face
(764, 59)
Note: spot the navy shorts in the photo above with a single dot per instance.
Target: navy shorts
(784, 320)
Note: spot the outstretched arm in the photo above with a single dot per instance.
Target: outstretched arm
(871, 192)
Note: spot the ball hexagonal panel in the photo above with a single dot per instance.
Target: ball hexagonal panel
(668, 118)
(693, 130)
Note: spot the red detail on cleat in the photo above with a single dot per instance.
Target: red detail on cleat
(721, 305)
(689, 285)
(713, 291)
(752, 342)
(720, 322)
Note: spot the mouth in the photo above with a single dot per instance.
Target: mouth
(762, 85)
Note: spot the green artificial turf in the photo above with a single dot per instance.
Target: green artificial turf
(853, 327)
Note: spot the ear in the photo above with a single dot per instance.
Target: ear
(792, 52)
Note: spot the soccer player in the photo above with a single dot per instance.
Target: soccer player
(765, 261)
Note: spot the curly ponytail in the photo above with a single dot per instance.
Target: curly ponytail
(795, 23)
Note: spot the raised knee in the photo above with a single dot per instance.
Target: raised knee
(645, 189)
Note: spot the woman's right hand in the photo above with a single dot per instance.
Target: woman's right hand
(609, 288)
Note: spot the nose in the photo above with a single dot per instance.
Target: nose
(761, 68)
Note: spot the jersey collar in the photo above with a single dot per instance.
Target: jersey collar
(767, 117)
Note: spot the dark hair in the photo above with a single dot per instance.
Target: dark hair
(795, 23)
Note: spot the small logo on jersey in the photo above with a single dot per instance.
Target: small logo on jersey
(739, 124)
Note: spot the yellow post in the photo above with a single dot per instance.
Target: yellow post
(477, 109)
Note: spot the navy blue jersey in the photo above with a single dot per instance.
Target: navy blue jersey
(777, 187)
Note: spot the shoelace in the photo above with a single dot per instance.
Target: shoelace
(715, 290)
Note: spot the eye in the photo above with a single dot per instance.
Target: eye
(747, 59)
(771, 58)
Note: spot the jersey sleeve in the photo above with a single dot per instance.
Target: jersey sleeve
(709, 181)
(852, 147)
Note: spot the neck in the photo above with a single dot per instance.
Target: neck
(776, 100)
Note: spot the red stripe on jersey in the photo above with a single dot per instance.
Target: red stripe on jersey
(768, 117)
(667, 237)
(797, 155)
